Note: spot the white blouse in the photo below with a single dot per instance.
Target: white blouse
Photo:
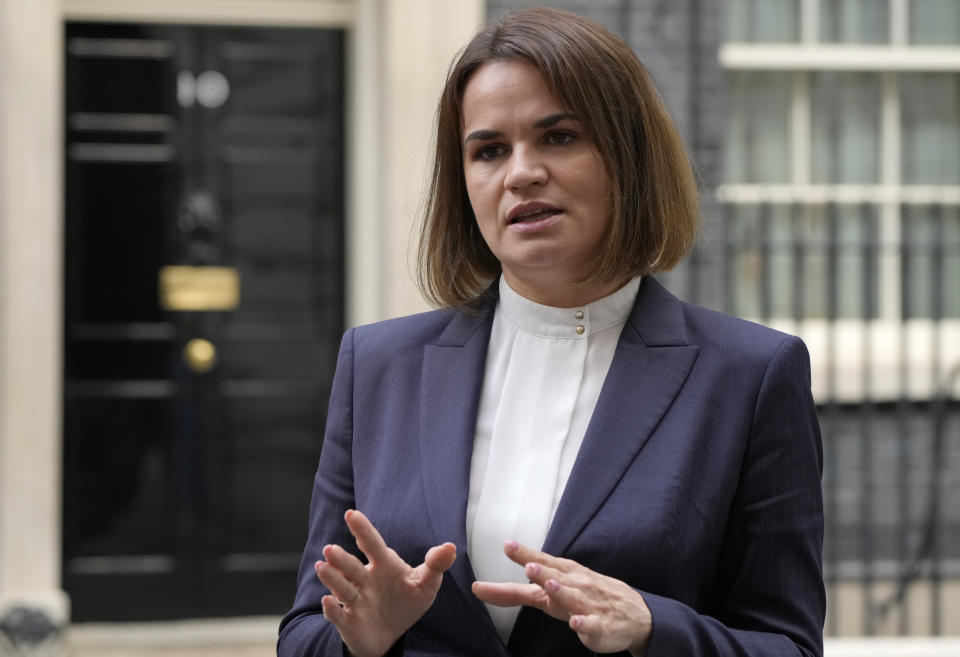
(545, 367)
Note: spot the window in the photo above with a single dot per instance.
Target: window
(842, 160)
(855, 21)
(763, 20)
(934, 22)
(841, 223)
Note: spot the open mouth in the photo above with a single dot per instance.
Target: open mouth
(531, 216)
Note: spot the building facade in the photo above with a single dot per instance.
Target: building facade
(826, 134)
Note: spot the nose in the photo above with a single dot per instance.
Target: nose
(525, 168)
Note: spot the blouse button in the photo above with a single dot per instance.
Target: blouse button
(580, 330)
(578, 314)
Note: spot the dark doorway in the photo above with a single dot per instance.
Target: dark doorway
(195, 396)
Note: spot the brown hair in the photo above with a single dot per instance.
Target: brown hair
(595, 75)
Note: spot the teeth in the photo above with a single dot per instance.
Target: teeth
(534, 216)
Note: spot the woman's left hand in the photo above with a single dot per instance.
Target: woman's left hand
(606, 613)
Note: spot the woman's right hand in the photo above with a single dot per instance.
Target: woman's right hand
(373, 605)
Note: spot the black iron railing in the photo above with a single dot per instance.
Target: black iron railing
(887, 397)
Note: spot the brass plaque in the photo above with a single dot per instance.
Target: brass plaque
(199, 288)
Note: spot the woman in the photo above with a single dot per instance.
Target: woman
(567, 460)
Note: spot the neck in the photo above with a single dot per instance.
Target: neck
(562, 294)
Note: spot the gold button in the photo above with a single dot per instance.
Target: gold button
(580, 330)
(578, 314)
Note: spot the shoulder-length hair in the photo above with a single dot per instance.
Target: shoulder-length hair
(595, 75)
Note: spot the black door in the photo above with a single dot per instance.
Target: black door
(203, 309)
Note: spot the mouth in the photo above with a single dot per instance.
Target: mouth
(531, 213)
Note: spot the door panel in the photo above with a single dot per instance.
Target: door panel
(122, 234)
(186, 490)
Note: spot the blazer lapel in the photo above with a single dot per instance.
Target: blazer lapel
(649, 367)
(451, 382)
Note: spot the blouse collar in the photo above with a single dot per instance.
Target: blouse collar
(578, 322)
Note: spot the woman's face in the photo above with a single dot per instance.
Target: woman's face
(535, 180)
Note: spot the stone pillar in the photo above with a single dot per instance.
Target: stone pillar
(33, 608)
(420, 38)
(399, 54)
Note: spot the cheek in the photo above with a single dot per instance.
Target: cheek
(483, 200)
(602, 199)
(596, 201)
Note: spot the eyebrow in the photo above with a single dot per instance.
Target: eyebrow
(545, 122)
(554, 119)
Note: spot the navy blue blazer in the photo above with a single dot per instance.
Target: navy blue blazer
(697, 483)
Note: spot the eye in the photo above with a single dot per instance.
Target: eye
(560, 137)
(489, 152)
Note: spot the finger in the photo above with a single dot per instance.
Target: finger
(352, 568)
(523, 555)
(509, 594)
(333, 612)
(565, 597)
(586, 626)
(368, 538)
(342, 588)
(440, 557)
(539, 574)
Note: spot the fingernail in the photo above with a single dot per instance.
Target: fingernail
(533, 569)
(552, 585)
(348, 514)
(512, 545)
(576, 622)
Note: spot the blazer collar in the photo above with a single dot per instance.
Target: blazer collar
(451, 381)
(657, 316)
(650, 365)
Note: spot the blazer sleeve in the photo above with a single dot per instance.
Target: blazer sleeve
(770, 597)
(304, 632)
